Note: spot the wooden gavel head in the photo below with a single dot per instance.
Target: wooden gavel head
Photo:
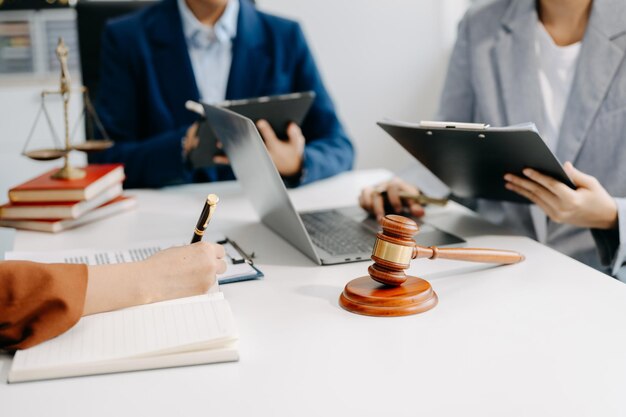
(395, 248)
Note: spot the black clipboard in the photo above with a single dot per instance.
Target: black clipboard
(472, 159)
(279, 111)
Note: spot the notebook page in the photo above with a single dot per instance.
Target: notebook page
(138, 332)
(130, 253)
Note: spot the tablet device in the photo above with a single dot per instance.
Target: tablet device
(279, 111)
(471, 159)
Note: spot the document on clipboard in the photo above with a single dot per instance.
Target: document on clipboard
(240, 266)
(472, 158)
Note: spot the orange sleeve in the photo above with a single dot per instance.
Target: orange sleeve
(39, 301)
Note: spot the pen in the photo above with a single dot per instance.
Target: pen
(423, 199)
(205, 217)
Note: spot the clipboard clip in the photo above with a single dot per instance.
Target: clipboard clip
(240, 256)
(453, 125)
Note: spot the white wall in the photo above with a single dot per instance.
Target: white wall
(19, 103)
(378, 59)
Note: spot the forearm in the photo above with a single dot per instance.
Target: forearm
(326, 157)
(173, 273)
(111, 287)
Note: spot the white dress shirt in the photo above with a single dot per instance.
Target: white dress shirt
(210, 50)
(556, 66)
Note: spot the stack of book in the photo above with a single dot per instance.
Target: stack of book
(49, 205)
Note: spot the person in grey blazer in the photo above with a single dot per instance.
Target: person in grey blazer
(559, 64)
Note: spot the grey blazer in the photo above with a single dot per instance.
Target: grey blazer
(493, 78)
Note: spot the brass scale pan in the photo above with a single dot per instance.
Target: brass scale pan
(52, 153)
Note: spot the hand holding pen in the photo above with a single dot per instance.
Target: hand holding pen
(396, 196)
(205, 217)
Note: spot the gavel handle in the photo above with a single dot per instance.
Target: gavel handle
(494, 256)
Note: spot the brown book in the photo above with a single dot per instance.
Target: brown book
(46, 189)
(58, 209)
(117, 205)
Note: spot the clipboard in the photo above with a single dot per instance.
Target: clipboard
(239, 260)
(472, 158)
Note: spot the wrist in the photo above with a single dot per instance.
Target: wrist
(612, 219)
(609, 219)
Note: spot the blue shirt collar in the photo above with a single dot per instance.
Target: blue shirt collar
(199, 35)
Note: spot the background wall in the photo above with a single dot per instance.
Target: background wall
(378, 58)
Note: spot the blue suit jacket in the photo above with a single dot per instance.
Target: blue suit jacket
(146, 76)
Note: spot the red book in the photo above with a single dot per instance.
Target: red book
(119, 204)
(58, 209)
(44, 188)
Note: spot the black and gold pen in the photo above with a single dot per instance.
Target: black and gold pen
(205, 217)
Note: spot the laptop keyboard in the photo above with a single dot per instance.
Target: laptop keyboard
(337, 233)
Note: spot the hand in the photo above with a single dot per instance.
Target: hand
(220, 159)
(173, 273)
(372, 200)
(590, 205)
(183, 271)
(190, 141)
(287, 155)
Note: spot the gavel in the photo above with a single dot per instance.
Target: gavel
(388, 291)
(395, 248)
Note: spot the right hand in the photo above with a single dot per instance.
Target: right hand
(372, 200)
(183, 271)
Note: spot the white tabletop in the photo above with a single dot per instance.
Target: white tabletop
(544, 337)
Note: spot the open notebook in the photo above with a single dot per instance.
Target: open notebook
(187, 331)
(191, 331)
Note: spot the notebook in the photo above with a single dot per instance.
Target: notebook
(191, 331)
(239, 265)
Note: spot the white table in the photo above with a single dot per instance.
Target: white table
(544, 337)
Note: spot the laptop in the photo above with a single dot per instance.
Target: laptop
(328, 237)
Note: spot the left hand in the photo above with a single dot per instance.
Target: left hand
(190, 141)
(287, 155)
(589, 205)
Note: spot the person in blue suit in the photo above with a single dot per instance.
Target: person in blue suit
(156, 59)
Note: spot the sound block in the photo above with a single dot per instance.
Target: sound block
(365, 296)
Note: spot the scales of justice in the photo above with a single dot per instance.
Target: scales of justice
(88, 114)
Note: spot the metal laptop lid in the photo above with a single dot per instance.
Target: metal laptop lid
(258, 176)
